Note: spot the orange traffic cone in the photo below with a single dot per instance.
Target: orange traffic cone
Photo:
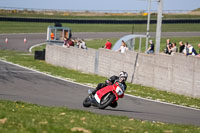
(25, 40)
(6, 40)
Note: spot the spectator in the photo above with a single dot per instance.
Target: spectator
(168, 46)
(199, 47)
(182, 46)
(191, 51)
(108, 45)
(186, 50)
(52, 36)
(65, 42)
(150, 50)
(68, 43)
(79, 43)
(123, 48)
(76, 43)
(199, 50)
(173, 49)
(82, 44)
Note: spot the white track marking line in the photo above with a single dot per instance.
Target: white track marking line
(92, 87)
(30, 49)
(162, 102)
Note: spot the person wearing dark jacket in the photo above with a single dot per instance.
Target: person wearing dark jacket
(121, 79)
(182, 46)
(150, 50)
(168, 46)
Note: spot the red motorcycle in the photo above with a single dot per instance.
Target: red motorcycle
(105, 96)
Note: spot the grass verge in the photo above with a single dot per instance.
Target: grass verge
(36, 27)
(93, 15)
(21, 117)
(27, 60)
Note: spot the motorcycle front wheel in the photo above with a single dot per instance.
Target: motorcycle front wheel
(87, 102)
(106, 100)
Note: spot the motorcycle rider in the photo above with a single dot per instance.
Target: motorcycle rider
(121, 79)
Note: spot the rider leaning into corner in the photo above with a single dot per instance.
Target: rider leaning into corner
(121, 79)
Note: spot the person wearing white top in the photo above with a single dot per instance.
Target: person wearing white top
(83, 45)
(123, 48)
(191, 50)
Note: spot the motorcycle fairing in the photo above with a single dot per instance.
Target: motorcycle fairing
(97, 98)
(100, 93)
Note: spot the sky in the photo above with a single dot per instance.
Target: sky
(101, 4)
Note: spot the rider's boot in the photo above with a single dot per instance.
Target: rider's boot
(114, 104)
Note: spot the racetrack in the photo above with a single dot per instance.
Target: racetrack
(17, 83)
(21, 84)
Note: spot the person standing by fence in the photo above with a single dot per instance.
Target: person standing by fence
(123, 48)
(108, 45)
(52, 36)
(182, 46)
(150, 50)
(168, 46)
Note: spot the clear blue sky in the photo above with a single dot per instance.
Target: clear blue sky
(100, 4)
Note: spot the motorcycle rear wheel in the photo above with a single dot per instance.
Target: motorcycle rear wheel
(87, 102)
(106, 102)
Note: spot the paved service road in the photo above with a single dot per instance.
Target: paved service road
(16, 41)
(17, 83)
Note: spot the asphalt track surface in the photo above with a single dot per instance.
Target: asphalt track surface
(20, 84)
(17, 83)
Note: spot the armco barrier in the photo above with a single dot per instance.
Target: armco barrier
(178, 73)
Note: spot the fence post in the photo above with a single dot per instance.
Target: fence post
(96, 62)
(136, 59)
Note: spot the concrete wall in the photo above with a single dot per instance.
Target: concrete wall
(179, 74)
(73, 58)
(111, 63)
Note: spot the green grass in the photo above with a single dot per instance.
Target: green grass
(23, 117)
(27, 60)
(19, 117)
(89, 15)
(99, 43)
(30, 27)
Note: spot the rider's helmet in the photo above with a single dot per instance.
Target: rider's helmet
(123, 76)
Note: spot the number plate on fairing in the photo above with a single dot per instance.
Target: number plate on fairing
(119, 91)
